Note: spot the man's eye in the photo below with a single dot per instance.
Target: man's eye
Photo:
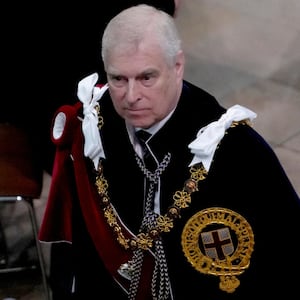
(117, 78)
(117, 81)
(148, 80)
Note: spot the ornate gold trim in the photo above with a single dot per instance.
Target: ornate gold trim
(232, 264)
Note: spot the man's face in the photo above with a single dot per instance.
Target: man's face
(144, 88)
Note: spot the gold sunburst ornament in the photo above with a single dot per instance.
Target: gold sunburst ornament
(219, 242)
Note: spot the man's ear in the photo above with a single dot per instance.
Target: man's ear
(180, 64)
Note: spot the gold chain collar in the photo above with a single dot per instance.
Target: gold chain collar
(164, 223)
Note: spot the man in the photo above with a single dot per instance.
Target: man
(212, 215)
(72, 46)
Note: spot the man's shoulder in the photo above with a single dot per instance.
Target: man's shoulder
(194, 88)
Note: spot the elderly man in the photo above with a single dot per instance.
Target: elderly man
(162, 192)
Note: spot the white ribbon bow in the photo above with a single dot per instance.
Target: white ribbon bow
(208, 137)
(89, 94)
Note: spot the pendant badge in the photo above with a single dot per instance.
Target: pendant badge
(218, 241)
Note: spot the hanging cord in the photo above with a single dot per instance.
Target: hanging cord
(160, 273)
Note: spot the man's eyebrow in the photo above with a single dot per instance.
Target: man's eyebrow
(149, 71)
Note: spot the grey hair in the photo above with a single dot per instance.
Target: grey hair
(137, 23)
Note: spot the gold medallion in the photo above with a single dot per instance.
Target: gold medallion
(219, 242)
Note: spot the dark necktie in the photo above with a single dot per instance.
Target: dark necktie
(149, 161)
(150, 165)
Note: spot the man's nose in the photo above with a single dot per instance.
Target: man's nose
(133, 91)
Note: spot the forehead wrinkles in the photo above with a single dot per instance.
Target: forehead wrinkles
(147, 49)
(133, 66)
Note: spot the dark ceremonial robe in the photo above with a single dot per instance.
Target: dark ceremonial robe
(245, 178)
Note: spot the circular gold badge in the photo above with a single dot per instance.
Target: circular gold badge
(218, 241)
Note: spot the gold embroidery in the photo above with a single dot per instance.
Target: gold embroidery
(209, 224)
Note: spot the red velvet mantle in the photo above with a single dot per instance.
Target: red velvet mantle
(56, 225)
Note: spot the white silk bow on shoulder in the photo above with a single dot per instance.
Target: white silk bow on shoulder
(89, 94)
(208, 137)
